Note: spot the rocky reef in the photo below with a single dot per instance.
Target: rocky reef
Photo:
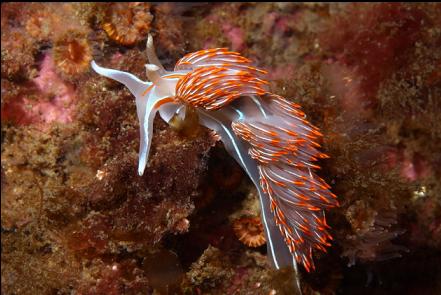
(77, 219)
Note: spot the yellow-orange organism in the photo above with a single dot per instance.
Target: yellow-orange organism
(249, 230)
(72, 53)
(267, 134)
(127, 23)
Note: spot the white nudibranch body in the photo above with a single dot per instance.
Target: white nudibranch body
(266, 134)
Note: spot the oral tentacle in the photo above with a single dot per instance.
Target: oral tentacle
(146, 127)
(148, 100)
(153, 73)
(152, 57)
(133, 83)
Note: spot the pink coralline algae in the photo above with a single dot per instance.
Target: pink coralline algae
(60, 108)
(281, 72)
(371, 43)
(411, 167)
(235, 35)
(346, 84)
(55, 102)
(415, 168)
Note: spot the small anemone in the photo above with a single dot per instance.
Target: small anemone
(72, 53)
(373, 234)
(249, 230)
(39, 25)
(127, 24)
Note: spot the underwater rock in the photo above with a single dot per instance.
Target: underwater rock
(76, 218)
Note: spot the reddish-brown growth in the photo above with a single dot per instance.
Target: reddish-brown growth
(373, 39)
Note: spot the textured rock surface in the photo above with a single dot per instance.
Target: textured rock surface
(76, 218)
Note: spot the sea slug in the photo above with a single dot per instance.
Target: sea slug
(267, 134)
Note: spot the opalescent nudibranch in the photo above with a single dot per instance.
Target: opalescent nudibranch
(267, 134)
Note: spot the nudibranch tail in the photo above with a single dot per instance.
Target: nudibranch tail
(284, 145)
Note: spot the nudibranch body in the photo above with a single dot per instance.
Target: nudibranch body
(267, 135)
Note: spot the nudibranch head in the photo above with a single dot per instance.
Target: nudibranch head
(208, 79)
(158, 94)
(267, 134)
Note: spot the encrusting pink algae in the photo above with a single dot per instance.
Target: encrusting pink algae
(77, 218)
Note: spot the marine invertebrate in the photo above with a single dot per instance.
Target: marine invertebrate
(249, 230)
(72, 53)
(373, 234)
(266, 134)
(39, 25)
(127, 24)
(45, 23)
